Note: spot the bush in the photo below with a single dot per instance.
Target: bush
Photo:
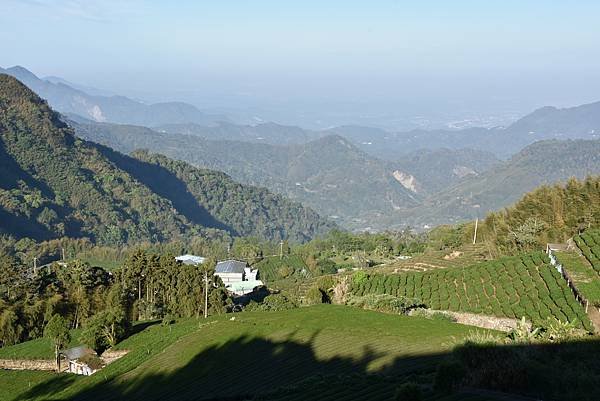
(409, 392)
(315, 296)
(386, 303)
(93, 361)
(359, 278)
(167, 320)
(277, 302)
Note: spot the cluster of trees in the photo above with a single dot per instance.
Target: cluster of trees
(103, 303)
(548, 214)
(160, 285)
(385, 244)
(55, 185)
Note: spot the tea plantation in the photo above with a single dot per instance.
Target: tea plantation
(589, 244)
(511, 287)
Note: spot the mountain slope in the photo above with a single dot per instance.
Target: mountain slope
(580, 122)
(544, 162)
(269, 133)
(54, 184)
(435, 170)
(329, 174)
(118, 109)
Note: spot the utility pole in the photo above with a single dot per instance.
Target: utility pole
(63, 254)
(281, 249)
(475, 234)
(205, 294)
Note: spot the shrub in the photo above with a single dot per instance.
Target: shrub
(359, 278)
(167, 320)
(385, 303)
(315, 296)
(277, 302)
(93, 361)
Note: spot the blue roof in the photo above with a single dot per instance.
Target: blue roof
(230, 266)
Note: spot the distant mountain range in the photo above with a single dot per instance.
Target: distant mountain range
(329, 174)
(581, 122)
(364, 178)
(542, 163)
(337, 179)
(54, 184)
(103, 107)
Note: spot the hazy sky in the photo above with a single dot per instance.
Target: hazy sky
(348, 54)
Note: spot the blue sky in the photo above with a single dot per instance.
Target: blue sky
(261, 53)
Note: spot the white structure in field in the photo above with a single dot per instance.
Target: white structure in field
(190, 259)
(238, 277)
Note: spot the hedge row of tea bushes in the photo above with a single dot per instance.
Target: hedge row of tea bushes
(509, 287)
(589, 243)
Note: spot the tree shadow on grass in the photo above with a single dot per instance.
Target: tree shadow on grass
(250, 368)
(141, 326)
(242, 368)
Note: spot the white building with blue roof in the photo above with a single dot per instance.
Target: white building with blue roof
(237, 276)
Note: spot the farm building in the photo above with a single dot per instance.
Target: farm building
(231, 271)
(75, 360)
(237, 276)
(188, 259)
(244, 287)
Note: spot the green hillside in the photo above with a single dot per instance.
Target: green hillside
(329, 174)
(512, 287)
(542, 163)
(257, 353)
(56, 185)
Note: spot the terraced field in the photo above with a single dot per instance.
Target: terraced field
(589, 244)
(509, 287)
(582, 273)
(433, 260)
(258, 353)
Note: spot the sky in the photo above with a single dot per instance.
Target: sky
(317, 59)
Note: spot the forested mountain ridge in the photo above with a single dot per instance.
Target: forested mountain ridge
(542, 163)
(579, 122)
(54, 184)
(118, 109)
(329, 174)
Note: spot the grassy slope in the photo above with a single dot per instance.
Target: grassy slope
(258, 352)
(40, 348)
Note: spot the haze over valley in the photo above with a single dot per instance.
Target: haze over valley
(299, 200)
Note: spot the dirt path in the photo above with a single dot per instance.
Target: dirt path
(594, 316)
(27, 364)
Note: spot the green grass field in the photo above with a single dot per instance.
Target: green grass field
(511, 287)
(40, 348)
(257, 353)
